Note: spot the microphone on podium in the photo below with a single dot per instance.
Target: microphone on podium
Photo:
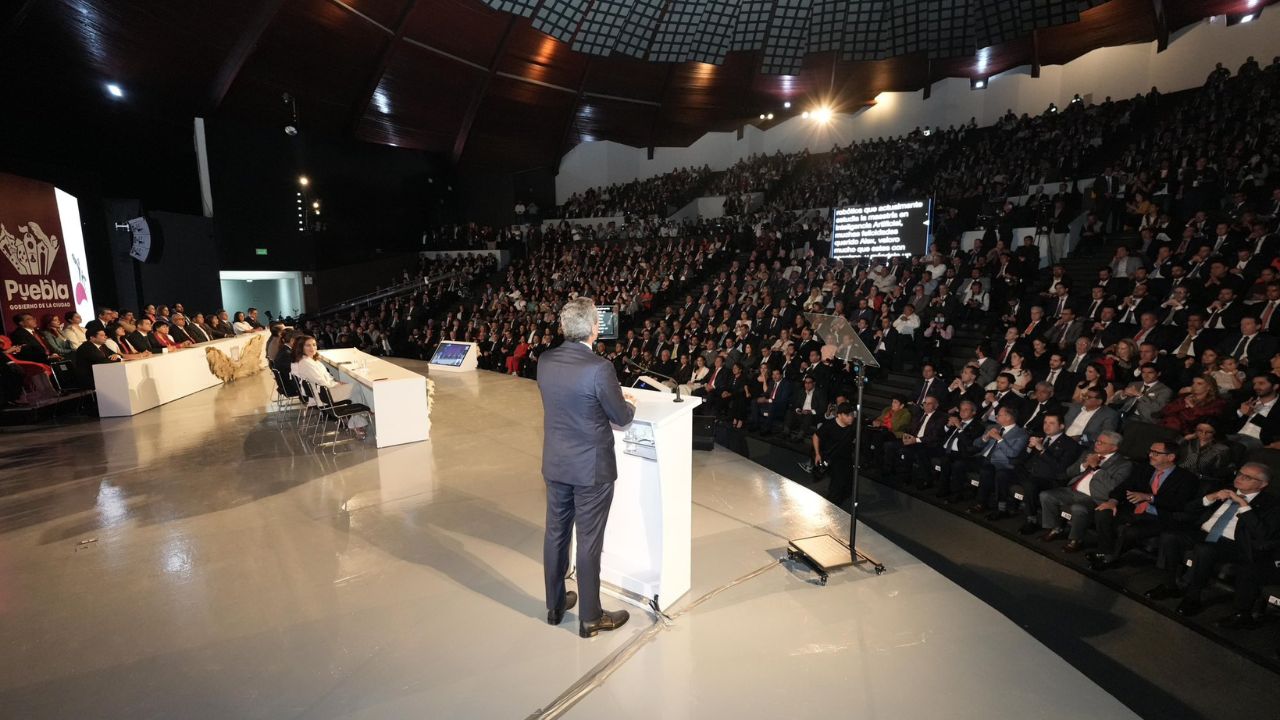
(647, 371)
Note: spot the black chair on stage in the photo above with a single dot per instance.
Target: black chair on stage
(340, 413)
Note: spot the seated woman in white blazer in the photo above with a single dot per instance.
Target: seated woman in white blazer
(307, 367)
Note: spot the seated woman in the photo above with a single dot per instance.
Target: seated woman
(240, 325)
(305, 366)
(118, 341)
(1206, 455)
(891, 423)
(1095, 376)
(698, 378)
(51, 333)
(160, 334)
(218, 329)
(1200, 402)
(72, 331)
(518, 354)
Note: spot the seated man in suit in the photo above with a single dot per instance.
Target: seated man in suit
(1143, 400)
(1062, 380)
(30, 346)
(1143, 506)
(807, 407)
(921, 444)
(141, 338)
(959, 451)
(1049, 462)
(1098, 474)
(1088, 421)
(767, 409)
(965, 387)
(1001, 448)
(1038, 406)
(1249, 346)
(1256, 422)
(1240, 525)
(93, 352)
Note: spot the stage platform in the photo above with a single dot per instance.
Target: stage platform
(196, 561)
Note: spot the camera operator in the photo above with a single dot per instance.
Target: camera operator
(833, 445)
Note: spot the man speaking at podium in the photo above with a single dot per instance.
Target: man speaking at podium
(580, 398)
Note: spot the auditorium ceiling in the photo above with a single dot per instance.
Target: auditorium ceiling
(514, 84)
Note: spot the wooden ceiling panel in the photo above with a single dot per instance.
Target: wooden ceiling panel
(384, 12)
(464, 28)
(319, 52)
(620, 74)
(520, 123)
(1118, 22)
(541, 58)
(420, 101)
(624, 122)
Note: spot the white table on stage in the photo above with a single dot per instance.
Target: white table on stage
(134, 386)
(648, 540)
(399, 396)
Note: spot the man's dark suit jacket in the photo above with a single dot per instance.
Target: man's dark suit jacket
(88, 355)
(31, 349)
(143, 343)
(580, 398)
(1257, 531)
(934, 433)
(1033, 415)
(1056, 462)
(1175, 493)
(179, 335)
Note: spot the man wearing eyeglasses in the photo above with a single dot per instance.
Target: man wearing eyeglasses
(1099, 473)
(1143, 506)
(1239, 526)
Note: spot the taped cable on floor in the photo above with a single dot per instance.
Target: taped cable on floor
(596, 677)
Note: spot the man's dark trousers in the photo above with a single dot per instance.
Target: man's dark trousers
(588, 507)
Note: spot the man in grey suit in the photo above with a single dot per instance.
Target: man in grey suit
(1143, 400)
(580, 398)
(1098, 474)
(1086, 422)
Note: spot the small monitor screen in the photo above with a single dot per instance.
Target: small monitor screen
(891, 230)
(451, 354)
(607, 321)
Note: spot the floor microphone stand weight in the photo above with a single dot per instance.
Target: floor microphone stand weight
(824, 553)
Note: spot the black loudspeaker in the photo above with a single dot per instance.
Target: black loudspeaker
(704, 432)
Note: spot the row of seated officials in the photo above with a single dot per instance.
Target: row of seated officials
(1061, 466)
(60, 352)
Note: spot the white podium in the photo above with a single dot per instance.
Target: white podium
(647, 555)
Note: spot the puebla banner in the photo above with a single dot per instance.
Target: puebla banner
(35, 276)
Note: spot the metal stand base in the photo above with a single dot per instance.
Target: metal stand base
(824, 553)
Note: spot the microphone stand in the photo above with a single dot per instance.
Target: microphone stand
(647, 371)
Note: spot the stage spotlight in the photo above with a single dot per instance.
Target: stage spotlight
(805, 114)
(1246, 18)
(786, 105)
(316, 205)
(822, 115)
(770, 117)
(304, 181)
(115, 90)
(978, 83)
(761, 116)
(291, 127)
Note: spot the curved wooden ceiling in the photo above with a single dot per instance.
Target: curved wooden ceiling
(486, 88)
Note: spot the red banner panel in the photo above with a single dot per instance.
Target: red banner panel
(34, 275)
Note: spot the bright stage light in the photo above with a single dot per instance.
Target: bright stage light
(303, 180)
(770, 116)
(805, 114)
(316, 205)
(1246, 18)
(786, 105)
(822, 115)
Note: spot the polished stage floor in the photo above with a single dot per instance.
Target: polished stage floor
(196, 561)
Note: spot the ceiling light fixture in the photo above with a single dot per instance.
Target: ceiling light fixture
(822, 115)
(115, 90)
(786, 105)
(304, 181)
(770, 116)
(291, 127)
(1246, 18)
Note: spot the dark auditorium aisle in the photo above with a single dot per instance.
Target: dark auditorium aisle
(1155, 665)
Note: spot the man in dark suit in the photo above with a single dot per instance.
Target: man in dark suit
(26, 338)
(930, 386)
(808, 405)
(141, 339)
(922, 442)
(768, 409)
(93, 351)
(1143, 506)
(959, 451)
(1048, 465)
(1040, 404)
(1000, 449)
(105, 317)
(1097, 475)
(1240, 525)
(580, 399)
(1062, 380)
(1251, 348)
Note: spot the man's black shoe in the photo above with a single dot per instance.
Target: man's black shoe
(570, 599)
(1239, 621)
(607, 621)
(1189, 607)
(1162, 592)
